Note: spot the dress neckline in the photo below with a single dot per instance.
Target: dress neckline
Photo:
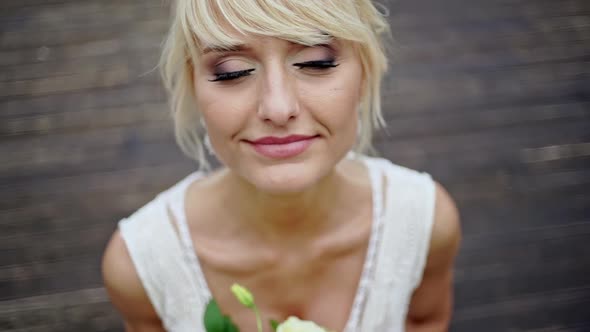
(178, 207)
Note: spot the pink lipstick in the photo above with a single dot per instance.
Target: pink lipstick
(282, 147)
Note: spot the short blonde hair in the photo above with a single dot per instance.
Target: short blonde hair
(199, 23)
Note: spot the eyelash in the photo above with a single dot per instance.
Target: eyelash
(318, 65)
(231, 75)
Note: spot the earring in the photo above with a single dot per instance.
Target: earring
(207, 143)
(206, 140)
(359, 128)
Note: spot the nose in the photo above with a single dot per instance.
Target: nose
(278, 100)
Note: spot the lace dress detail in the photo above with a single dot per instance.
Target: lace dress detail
(367, 273)
(169, 269)
(177, 204)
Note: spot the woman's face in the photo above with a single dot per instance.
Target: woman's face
(280, 114)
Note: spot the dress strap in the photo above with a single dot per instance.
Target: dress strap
(177, 204)
(156, 254)
(407, 220)
(408, 214)
(375, 176)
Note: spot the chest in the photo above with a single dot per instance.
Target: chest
(321, 288)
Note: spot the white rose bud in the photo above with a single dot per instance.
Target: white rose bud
(294, 324)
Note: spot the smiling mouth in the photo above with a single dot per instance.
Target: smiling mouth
(282, 147)
(272, 140)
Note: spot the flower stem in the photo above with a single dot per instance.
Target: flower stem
(258, 319)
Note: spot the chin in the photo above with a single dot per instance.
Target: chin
(289, 175)
(288, 178)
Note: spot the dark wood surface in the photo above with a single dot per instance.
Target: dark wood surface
(490, 97)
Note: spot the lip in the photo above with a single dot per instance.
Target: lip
(281, 140)
(282, 147)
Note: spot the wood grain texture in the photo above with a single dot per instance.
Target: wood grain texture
(492, 98)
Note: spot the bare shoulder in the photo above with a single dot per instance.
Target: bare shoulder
(446, 230)
(431, 304)
(125, 289)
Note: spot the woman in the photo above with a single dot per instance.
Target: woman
(282, 92)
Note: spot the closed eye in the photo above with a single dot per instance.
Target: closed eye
(231, 75)
(318, 64)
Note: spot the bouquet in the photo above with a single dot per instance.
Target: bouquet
(216, 321)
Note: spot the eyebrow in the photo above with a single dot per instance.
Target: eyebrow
(240, 47)
(219, 48)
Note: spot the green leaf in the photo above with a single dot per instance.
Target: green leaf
(213, 319)
(274, 324)
(229, 325)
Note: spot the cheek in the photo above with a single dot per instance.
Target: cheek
(335, 103)
(225, 110)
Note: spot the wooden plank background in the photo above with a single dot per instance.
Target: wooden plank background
(490, 97)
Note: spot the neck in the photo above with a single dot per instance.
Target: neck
(277, 217)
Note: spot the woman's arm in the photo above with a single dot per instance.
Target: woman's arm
(125, 289)
(431, 304)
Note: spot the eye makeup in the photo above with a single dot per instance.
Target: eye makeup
(230, 69)
(232, 75)
(312, 59)
(317, 64)
(320, 57)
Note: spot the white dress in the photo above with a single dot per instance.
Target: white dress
(403, 211)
